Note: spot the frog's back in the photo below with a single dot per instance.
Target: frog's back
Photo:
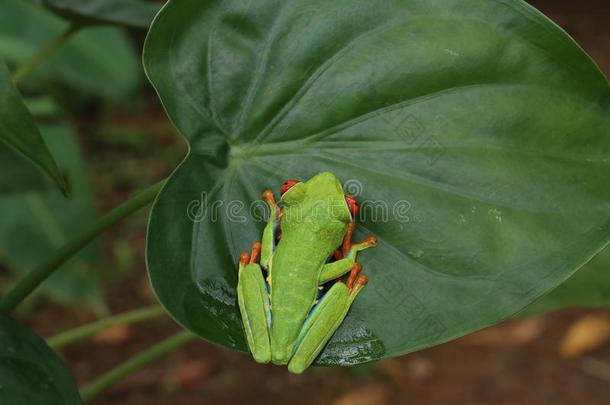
(295, 270)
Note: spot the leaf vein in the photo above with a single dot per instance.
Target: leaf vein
(261, 69)
(309, 82)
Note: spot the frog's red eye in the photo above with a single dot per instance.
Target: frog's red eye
(288, 184)
(352, 204)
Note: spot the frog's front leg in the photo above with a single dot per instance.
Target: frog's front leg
(324, 320)
(254, 305)
(342, 266)
(268, 241)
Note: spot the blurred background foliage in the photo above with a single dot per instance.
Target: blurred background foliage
(40, 223)
(94, 83)
(89, 62)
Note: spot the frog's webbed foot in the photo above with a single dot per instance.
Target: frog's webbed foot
(354, 274)
(322, 323)
(347, 239)
(254, 304)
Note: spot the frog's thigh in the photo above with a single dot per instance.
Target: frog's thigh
(255, 312)
(320, 326)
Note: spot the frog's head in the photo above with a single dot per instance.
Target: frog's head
(323, 190)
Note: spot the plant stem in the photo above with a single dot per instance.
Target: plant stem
(43, 54)
(82, 332)
(135, 363)
(33, 279)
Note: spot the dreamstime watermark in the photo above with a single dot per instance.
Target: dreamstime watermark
(257, 211)
(417, 136)
(353, 188)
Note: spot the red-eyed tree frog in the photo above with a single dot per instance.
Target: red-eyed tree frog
(306, 243)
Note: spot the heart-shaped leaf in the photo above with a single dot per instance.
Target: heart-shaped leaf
(20, 140)
(588, 287)
(98, 59)
(30, 372)
(133, 13)
(475, 133)
(40, 223)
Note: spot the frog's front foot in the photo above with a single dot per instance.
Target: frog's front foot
(348, 245)
(346, 262)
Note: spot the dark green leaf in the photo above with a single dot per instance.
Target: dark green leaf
(99, 60)
(18, 174)
(588, 287)
(20, 136)
(42, 106)
(134, 13)
(40, 223)
(480, 129)
(30, 372)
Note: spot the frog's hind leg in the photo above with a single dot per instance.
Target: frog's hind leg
(322, 323)
(254, 305)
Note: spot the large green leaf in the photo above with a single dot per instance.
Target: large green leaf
(480, 129)
(40, 223)
(21, 144)
(30, 372)
(588, 287)
(134, 13)
(99, 60)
